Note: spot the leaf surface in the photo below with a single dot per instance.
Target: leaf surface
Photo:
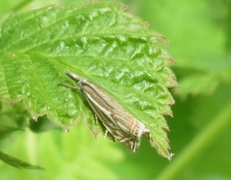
(97, 41)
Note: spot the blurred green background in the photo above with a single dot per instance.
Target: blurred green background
(200, 35)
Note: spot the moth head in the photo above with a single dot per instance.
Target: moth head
(141, 130)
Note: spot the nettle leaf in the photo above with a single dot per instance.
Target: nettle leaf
(99, 42)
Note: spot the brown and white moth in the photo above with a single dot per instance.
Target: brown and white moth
(119, 123)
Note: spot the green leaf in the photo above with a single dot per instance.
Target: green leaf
(16, 163)
(99, 42)
(198, 84)
(202, 83)
(12, 119)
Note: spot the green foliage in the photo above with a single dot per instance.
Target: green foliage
(98, 41)
(12, 119)
(199, 32)
(199, 37)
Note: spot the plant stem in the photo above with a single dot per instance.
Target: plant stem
(201, 141)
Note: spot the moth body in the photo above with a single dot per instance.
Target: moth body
(119, 123)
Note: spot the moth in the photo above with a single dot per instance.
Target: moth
(119, 124)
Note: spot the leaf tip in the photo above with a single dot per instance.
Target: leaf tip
(170, 156)
(171, 61)
(123, 7)
(34, 117)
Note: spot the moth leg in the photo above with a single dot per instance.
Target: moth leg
(96, 119)
(69, 86)
(105, 135)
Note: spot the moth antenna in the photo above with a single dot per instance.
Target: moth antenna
(75, 77)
